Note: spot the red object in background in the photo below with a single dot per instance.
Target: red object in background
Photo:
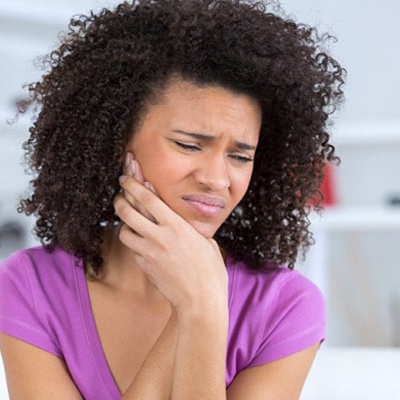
(327, 187)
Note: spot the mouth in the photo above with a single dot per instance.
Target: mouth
(205, 205)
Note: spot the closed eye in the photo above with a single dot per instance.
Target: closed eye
(193, 148)
(186, 146)
(241, 159)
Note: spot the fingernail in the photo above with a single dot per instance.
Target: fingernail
(149, 186)
(128, 158)
(132, 167)
(122, 179)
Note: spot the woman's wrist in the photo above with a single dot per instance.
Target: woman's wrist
(203, 314)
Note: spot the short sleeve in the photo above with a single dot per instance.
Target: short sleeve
(20, 316)
(297, 320)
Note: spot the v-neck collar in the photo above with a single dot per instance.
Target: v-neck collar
(92, 334)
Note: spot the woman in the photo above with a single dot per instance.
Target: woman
(176, 149)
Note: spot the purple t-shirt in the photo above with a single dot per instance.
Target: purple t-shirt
(44, 301)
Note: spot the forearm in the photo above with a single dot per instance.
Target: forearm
(154, 379)
(201, 356)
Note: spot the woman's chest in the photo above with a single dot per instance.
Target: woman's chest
(127, 329)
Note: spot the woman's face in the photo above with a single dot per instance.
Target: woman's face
(196, 146)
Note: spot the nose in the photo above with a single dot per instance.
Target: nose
(213, 173)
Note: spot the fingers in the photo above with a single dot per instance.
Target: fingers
(128, 169)
(149, 200)
(132, 168)
(134, 219)
(132, 239)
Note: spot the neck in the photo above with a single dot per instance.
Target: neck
(119, 271)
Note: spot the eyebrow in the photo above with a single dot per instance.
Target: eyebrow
(210, 138)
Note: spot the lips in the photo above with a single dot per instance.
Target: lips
(208, 206)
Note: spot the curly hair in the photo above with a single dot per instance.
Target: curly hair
(111, 65)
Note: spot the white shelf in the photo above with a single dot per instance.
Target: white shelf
(378, 133)
(357, 218)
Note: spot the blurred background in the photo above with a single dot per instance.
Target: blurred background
(356, 258)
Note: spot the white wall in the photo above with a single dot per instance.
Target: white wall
(368, 45)
(28, 29)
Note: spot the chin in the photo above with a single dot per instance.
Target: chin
(206, 231)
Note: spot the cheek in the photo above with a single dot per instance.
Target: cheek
(241, 184)
(161, 169)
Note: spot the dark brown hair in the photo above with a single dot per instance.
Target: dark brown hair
(109, 66)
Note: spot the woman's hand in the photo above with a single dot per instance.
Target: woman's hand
(187, 268)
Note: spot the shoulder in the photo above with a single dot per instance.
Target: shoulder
(36, 289)
(35, 281)
(36, 264)
(271, 287)
(274, 313)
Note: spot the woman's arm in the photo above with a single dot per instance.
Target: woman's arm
(279, 380)
(35, 374)
(201, 354)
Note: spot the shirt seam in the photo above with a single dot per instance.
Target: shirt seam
(77, 265)
(261, 334)
(303, 333)
(232, 283)
(35, 304)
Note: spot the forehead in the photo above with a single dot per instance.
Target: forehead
(209, 109)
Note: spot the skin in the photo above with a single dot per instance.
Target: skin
(186, 167)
